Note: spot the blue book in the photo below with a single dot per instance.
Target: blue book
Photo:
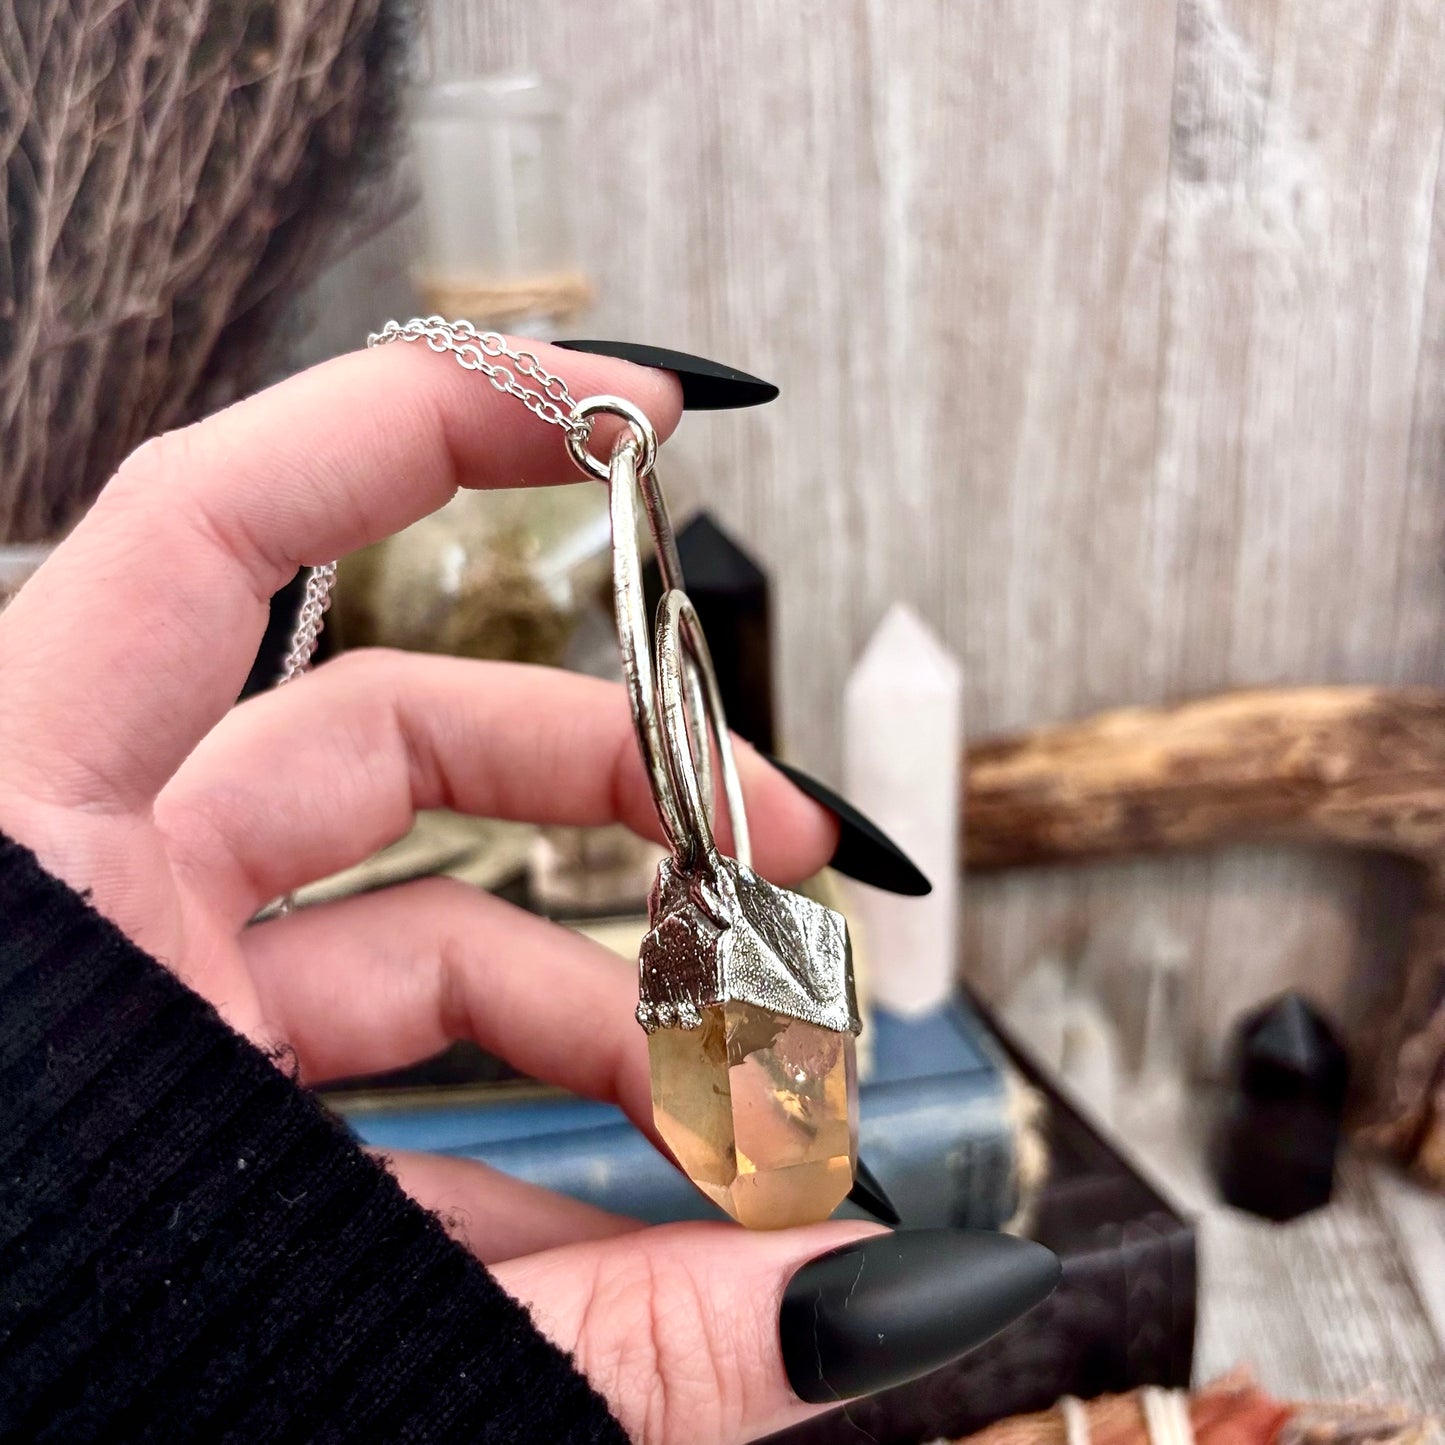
(936, 1128)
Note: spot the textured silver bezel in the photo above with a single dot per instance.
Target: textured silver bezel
(721, 934)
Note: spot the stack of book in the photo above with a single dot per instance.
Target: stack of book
(937, 1129)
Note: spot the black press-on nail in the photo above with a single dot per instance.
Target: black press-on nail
(864, 851)
(706, 385)
(867, 1193)
(887, 1309)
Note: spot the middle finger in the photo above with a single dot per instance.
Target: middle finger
(318, 775)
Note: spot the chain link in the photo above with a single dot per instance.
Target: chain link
(485, 352)
(309, 622)
(488, 353)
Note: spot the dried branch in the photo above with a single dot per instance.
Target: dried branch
(175, 171)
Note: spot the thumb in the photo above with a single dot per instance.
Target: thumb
(704, 1334)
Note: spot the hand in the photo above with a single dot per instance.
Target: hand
(125, 767)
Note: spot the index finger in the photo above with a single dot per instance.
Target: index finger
(137, 634)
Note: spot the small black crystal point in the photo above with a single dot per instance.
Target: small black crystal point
(1289, 1075)
(730, 591)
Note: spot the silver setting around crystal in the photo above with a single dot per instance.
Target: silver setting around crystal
(720, 934)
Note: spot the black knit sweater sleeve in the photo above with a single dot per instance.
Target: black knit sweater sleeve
(190, 1249)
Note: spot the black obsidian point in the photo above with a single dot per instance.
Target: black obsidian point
(706, 385)
(1289, 1077)
(714, 561)
(730, 591)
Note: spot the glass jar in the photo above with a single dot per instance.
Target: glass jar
(516, 575)
(498, 233)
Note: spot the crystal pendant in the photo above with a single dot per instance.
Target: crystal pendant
(747, 997)
(761, 1111)
(745, 990)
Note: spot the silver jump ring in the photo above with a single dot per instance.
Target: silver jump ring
(579, 432)
(678, 628)
(640, 671)
(634, 638)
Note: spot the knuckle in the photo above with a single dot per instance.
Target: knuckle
(362, 666)
(351, 672)
(375, 683)
(179, 480)
(440, 894)
(154, 463)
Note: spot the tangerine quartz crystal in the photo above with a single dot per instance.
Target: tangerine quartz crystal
(747, 998)
(761, 1111)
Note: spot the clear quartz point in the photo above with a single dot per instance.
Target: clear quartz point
(761, 1111)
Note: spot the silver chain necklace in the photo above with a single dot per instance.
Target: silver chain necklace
(481, 351)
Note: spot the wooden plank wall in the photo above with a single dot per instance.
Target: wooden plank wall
(1111, 338)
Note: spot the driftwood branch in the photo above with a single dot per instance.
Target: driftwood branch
(1345, 766)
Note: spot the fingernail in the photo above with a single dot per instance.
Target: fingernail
(895, 1306)
(706, 385)
(867, 1193)
(864, 850)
